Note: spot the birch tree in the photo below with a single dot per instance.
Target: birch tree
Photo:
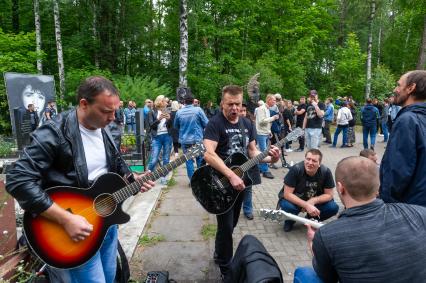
(59, 49)
(183, 52)
(38, 36)
(369, 48)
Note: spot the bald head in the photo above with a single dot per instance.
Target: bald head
(359, 176)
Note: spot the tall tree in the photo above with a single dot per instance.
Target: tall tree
(183, 53)
(59, 49)
(422, 56)
(95, 34)
(38, 36)
(369, 48)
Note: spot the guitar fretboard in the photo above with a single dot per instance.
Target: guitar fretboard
(162, 171)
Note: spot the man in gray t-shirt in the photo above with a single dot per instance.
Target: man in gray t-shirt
(371, 241)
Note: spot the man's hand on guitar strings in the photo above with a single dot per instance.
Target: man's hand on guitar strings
(147, 185)
(274, 153)
(77, 227)
(310, 233)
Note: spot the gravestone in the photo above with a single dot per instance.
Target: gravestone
(23, 127)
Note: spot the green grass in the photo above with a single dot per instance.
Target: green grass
(172, 182)
(208, 231)
(147, 241)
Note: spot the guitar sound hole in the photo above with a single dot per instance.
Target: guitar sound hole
(105, 205)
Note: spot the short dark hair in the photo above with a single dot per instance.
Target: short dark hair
(315, 151)
(359, 176)
(232, 90)
(367, 152)
(368, 100)
(418, 77)
(93, 86)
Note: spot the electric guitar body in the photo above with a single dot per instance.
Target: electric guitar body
(213, 190)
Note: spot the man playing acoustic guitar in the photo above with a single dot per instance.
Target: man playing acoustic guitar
(73, 150)
(223, 136)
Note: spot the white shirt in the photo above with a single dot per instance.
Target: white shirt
(162, 127)
(94, 151)
(344, 116)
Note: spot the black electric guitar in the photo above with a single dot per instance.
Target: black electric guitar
(213, 190)
(100, 205)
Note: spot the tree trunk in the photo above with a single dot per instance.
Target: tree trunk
(95, 35)
(59, 49)
(183, 53)
(407, 39)
(379, 43)
(422, 55)
(38, 35)
(369, 48)
(15, 16)
(342, 22)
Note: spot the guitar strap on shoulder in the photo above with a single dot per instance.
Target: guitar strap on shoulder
(243, 133)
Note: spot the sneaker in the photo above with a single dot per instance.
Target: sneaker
(288, 226)
(344, 145)
(288, 150)
(268, 175)
(300, 150)
(329, 142)
(249, 216)
(332, 146)
(372, 147)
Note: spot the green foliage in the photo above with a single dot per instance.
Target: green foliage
(348, 75)
(382, 82)
(16, 55)
(6, 148)
(140, 88)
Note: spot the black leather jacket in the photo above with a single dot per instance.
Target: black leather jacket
(55, 157)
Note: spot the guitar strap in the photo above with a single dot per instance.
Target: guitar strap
(243, 133)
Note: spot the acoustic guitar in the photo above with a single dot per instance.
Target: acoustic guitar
(101, 205)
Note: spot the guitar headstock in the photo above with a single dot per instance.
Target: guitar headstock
(195, 151)
(295, 134)
(273, 215)
(280, 215)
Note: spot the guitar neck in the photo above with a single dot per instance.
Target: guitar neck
(162, 171)
(255, 160)
(276, 215)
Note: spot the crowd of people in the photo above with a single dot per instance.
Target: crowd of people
(375, 237)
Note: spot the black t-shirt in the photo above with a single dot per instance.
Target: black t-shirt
(228, 136)
(305, 186)
(299, 119)
(287, 116)
(313, 121)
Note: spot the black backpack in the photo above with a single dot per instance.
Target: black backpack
(253, 264)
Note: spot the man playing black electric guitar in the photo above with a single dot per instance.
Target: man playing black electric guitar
(73, 149)
(224, 135)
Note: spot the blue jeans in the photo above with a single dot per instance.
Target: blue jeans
(369, 130)
(160, 142)
(247, 202)
(101, 268)
(190, 162)
(385, 131)
(313, 137)
(262, 142)
(131, 128)
(327, 209)
(306, 275)
(339, 129)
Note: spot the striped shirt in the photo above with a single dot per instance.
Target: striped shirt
(376, 242)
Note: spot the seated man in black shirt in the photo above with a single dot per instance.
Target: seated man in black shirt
(371, 241)
(308, 186)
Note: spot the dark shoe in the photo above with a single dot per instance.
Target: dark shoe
(288, 226)
(249, 216)
(268, 175)
(332, 146)
(273, 166)
(372, 147)
(344, 145)
(300, 150)
(329, 142)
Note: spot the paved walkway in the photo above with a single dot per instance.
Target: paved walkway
(178, 221)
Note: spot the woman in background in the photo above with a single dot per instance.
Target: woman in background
(351, 129)
(159, 123)
(174, 131)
